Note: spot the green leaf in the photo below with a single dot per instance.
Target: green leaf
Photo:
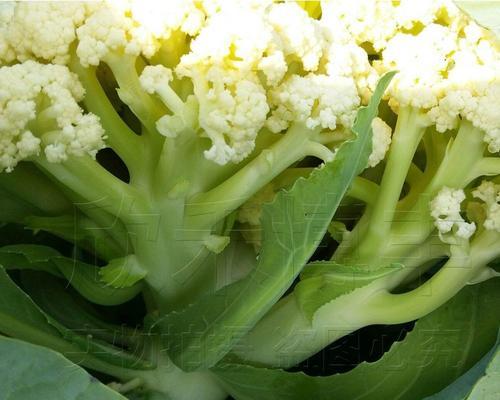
(461, 388)
(78, 229)
(20, 317)
(441, 347)
(85, 278)
(29, 256)
(54, 297)
(488, 387)
(31, 372)
(325, 281)
(485, 13)
(293, 226)
(122, 272)
(13, 209)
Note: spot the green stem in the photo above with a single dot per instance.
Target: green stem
(415, 224)
(148, 110)
(177, 384)
(411, 224)
(407, 135)
(126, 143)
(80, 230)
(29, 184)
(390, 308)
(364, 190)
(488, 166)
(331, 137)
(145, 107)
(466, 152)
(170, 99)
(108, 223)
(85, 279)
(14, 209)
(208, 208)
(88, 180)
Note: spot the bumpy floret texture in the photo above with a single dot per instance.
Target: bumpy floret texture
(489, 193)
(445, 209)
(381, 141)
(252, 64)
(39, 110)
(40, 29)
(261, 64)
(134, 27)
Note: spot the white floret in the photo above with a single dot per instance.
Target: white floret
(315, 100)
(232, 112)
(154, 77)
(422, 60)
(39, 111)
(476, 102)
(445, 209)
(235, 37)
(486, 116)
(381, 141)
(159, 19)
(411, 13)
(135, 27)
(368, 21)
(489, 193)
(301, 35)
(345, 58)
(274, 66)
(103, 32)
(445, 115)
(43, 30)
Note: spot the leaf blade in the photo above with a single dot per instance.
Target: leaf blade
(31, 372)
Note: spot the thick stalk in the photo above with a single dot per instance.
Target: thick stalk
(369, 235)
(177, 384)
(407, 135)
(179, 265)
(364, 190)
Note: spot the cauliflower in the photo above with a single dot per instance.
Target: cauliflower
(147, 136)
